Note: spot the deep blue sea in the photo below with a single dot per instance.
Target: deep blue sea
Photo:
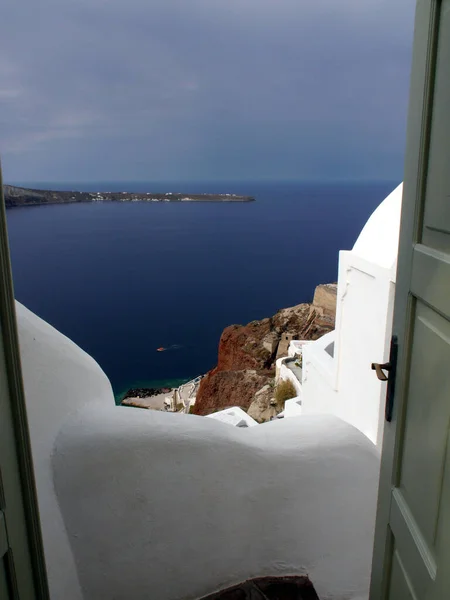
(122, 280)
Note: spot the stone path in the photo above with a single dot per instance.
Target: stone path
(296, 370)
(269, 588)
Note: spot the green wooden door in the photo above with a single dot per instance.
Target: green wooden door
(6, 585)
(412, 540)
(22, 568)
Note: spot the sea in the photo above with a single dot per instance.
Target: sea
(124, 279)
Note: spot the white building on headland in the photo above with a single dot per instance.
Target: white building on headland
(335, 376)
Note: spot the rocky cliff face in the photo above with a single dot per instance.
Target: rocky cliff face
(247, 354)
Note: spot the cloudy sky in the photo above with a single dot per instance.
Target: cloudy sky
(106, 90)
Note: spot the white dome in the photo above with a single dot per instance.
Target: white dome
(378, 241)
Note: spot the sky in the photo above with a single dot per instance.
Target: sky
(140, 90)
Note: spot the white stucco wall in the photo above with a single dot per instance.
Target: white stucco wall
(378, 240)
(296, 346)
(293, 407)
(144, 504)
(233, 416)
(60, 379)
(180, 506)
(319, 395)
(345, 385)
(364, 339)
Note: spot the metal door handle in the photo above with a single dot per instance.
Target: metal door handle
(379, 369)
(391, 368)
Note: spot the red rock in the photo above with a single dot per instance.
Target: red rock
(247, 354)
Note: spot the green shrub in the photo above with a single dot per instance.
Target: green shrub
(299, 360)
(285, 390)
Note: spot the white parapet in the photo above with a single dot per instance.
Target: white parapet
(234, 416)
(293, 407)
(296, 347)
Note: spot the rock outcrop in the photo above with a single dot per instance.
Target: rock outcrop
(223, 389)
(247, 355)
(325, 299)
(264, 406)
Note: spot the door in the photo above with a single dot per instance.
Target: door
(22, 569)
(412, 540)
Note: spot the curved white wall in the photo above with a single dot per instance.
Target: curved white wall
(59, 380)
(345, 385)
(378, 241)
(175, 507)
(144, 504)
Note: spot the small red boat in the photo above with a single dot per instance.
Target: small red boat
(160, 349)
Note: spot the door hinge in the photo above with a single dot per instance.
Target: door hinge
(391, 368)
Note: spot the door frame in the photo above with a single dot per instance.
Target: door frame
(426, 33)
(28, 534)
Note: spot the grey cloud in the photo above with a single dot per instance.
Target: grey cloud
(204, 88)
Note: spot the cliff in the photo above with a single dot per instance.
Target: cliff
(18, 196)
(247, 354)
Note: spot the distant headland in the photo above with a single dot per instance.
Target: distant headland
(19, 196)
